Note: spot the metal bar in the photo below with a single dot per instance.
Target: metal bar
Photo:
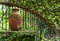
(25, 21)
(6, 18)
(20, 31)
(2, 17)
(21, 11)
(35, 22)
(29, 21)
(9, 15)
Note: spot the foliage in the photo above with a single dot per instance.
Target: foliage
(17, 37)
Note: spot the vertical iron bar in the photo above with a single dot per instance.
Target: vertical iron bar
(22, 12)
(30, 17)
(6, 19)
(32, 21)
(8, 15)
(39, 31)
(29, 25)
(35, 22)
(25, 20)
(2, 17)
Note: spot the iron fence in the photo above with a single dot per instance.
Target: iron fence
(31, 23)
